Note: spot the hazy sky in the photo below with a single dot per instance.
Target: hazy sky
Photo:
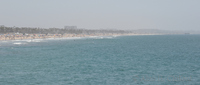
(96, 14)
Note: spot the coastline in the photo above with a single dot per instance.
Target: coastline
(11, 37)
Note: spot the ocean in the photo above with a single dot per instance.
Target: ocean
(121, 60)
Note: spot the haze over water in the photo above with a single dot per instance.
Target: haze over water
(102, 14)
(124, 60)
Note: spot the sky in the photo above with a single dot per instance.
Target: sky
(102, 14)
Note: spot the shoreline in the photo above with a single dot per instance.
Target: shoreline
(13, 37)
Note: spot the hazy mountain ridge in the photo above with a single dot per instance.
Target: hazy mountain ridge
(158, 31)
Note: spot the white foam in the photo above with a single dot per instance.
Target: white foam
(109, 37)
(99, 38)
(18, 43)
(36, 40)
(33, 40)
(116, 35)
(102, 37)
(92, 36)
(28, 41)
(65, 38)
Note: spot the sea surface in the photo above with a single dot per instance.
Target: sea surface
(111, 60)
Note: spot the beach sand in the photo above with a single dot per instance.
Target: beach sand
(54, 36)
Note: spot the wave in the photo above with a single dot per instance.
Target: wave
(29, 41)
(19, 43)
(67, 38)
(101, 37)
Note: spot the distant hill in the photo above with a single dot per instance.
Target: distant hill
(157, 31)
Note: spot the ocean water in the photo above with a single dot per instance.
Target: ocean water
(122, 60)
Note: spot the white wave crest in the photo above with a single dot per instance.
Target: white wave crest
(18, 43)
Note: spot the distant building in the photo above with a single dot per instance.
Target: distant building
(70, 27)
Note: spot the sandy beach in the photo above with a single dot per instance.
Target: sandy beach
(20, 36)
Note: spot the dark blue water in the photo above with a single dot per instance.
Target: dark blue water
(125, 60)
